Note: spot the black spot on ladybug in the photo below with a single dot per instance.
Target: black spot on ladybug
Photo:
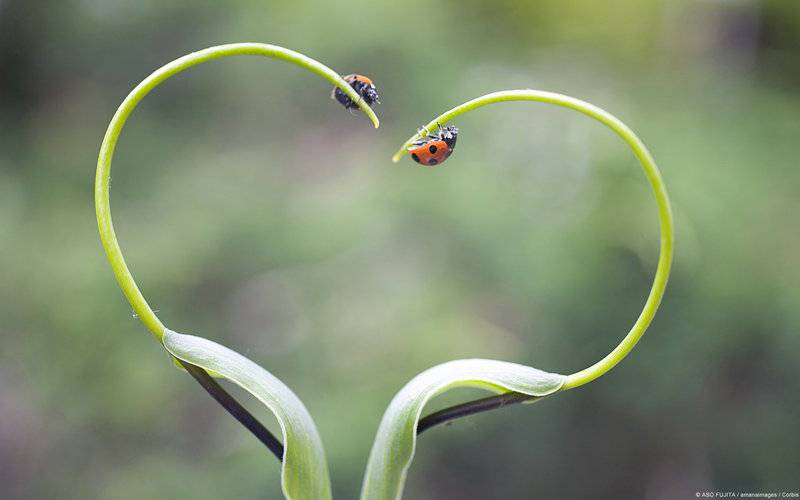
(416, 158)
(432, 161)
(433, 149)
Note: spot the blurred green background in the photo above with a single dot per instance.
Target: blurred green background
(255, 211)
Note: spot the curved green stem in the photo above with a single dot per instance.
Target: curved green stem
(653, 176)
(103, 176)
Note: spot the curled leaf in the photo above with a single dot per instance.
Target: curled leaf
(304, 473)
(395, 442)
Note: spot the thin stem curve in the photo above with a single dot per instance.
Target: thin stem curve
(103, 176)
(656, 183)
(103, 206)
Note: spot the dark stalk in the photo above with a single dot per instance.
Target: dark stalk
(270, 441)
(471, 408)
(235, 408)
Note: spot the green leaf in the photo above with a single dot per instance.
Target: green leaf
(304, 473)
(395, 442)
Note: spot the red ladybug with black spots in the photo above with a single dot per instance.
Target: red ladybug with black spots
(435, 148)
(363, 87)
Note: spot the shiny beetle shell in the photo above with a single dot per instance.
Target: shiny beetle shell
(435, 148)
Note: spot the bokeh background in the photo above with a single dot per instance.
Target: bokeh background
(255, 211)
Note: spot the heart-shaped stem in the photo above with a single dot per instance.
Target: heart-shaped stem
(664, 214)
(103, 208)
(103, 175)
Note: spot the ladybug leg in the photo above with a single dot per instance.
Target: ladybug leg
(360, 91)
(354, 106)
(357, 103)
(420, 132)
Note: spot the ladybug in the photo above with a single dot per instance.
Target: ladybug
(435, 148)
(363, 87)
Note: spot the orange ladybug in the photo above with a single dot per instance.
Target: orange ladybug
(363, 87)
(435, 148)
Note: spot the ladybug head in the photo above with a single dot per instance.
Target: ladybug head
(363, 87)
(369, 93)
(449, 135)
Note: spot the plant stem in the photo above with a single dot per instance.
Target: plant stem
(103, 176)
(472, 408)
(103, 205)
(233, 407)
(665, 219)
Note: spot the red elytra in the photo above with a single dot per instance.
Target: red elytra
(436, 148)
